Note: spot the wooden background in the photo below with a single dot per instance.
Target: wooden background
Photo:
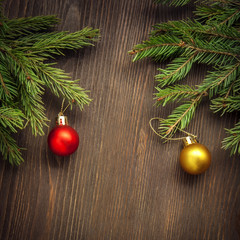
(123, 182)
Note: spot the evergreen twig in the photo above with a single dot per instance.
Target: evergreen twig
(25, 45)
(211, 38)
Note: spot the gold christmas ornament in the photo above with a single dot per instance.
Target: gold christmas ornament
(195, 158)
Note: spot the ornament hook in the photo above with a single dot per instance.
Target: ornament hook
(189, 140)
(189, 135)
(61, 118)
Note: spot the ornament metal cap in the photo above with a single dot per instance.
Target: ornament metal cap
(61, 119)
(189, 140)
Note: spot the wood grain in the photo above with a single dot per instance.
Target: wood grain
(123, 182)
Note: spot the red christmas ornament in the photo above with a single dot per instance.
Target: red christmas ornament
(63, 140)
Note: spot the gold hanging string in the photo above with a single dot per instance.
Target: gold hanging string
(171, 139)
(63, 110)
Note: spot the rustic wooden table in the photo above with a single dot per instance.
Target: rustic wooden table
(123, 182)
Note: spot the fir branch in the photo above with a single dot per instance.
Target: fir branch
(196, 29)
(160, 48)
(173, 2)
(180, 117)
(30, 91)
(48, 44)
(3, 85)
(25, 46)
(33, 109)
(232, 142)
(211, 50)
(165, 50)
(226, 91)
(218, 14)
(9, 90)
(15, 28)
(61, 85)
(231, 19)
(212, 38)
(222, 104)
(176, 70)
(184, 2)
(222, 77)
(9, 148)
(174, 93)
(11, 118)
